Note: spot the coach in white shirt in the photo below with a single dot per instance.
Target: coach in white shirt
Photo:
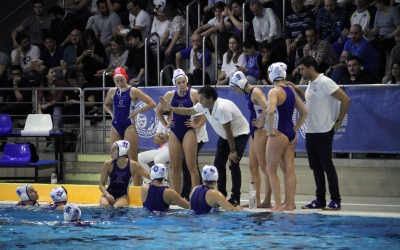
(322, 96)
(233, 130)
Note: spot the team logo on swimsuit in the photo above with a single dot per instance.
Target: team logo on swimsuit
(146, 123)
(302, 131)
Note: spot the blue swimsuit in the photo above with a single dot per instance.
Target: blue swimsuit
(119, 180)
(198, 201)
(285, 112)
(155, 199)
(255, 112)
(179, 127)
(123, 107)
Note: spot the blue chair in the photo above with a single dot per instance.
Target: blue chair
(5, 124)
(16, 154)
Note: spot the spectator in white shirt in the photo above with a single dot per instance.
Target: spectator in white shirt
(138, 18)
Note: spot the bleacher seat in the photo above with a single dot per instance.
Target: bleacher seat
(37, 125)
(16, 154)
(5, 124)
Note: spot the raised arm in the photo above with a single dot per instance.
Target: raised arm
(181, 111)
(137, 93)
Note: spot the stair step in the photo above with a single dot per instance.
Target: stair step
(93, 158)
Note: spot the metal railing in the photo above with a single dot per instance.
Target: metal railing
(162, 72)
(204, 56)
(187, 19)
(244, 21)
(146, 70)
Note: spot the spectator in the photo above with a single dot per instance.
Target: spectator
(160, 155)
(386, 25)
(394, 77)
(138, 18)
(50, 57)
(320, 50)
(362, 15)
(328, 20)
(232, 59)
(266, 24)
(71, 111)
(213, 25)
(90, 55)
(264, 60)
(5, 63)
(136, 61)
(394, 56)
(209, 10)
(104, 24)
(234, 25)
(70, 52)
(118, 59)
(37, 25)
(160, 24)
(25, 55)
(119, 7)
(356, 75)
(17, 101)
(356, 46)
(80, 8)
(250, 70)
(277, 6)
(49, 101)
(62, 25)
(296, 25)
(174, 37)
(195, 55)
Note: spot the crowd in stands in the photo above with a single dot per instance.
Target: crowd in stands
(349, 39)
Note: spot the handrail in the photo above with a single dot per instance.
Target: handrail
(19, 7)
(284, 16)
(204, 55)
(244, 20)
(187, 19)
(162, 72)
(146, 70)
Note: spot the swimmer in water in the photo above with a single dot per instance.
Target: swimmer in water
(28, 195)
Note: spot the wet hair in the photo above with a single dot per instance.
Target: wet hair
(74, 74)
(239, 50)
(86, 34)
(120, 41)
(134, 33)
(208, 91)
(219, 5)
(20, 37)
(308, 61)
(56, 9)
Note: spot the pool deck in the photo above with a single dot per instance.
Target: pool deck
(351, 205)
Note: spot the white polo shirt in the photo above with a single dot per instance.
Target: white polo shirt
(201, 133)
(225, 111)
(323, 109)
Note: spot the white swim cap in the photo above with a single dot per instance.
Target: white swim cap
(239, 80)
(277, 71)
(123, 147)
(22, 192)
(72, 212)
(178, 73)
(158, 172)
(210, 173)
(59, 194)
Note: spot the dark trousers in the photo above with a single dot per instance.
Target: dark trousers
(171, 58)
(187, 181)
(16, 108)
(221, 157)
(381, 48)
(319, 150)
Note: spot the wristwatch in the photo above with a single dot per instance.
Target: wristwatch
(339, 122)
(233, 150)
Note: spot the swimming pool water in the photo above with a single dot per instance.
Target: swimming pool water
(132, 228)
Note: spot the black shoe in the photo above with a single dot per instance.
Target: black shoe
(234, 202)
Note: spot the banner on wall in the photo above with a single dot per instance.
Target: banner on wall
(372, 123)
